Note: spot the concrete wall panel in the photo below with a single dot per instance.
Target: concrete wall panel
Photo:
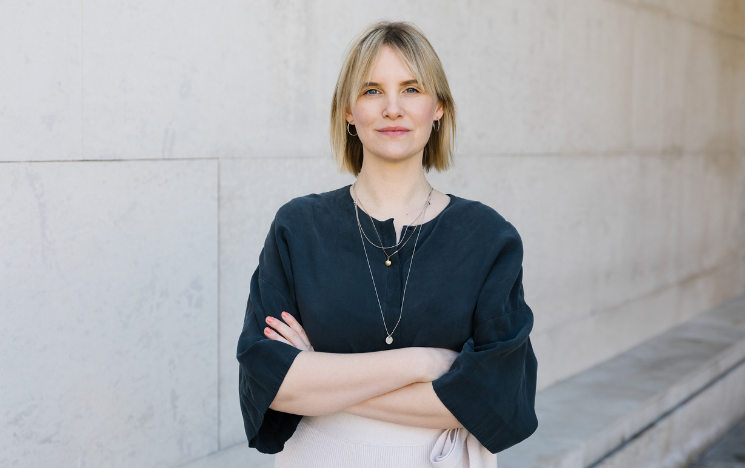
(165, 82)
(726, 17)
(109, 304)
(505, 70)
(738, 118)
(598, 61)
(40, 105)
(709, 92)
(676, 58)
(648, 81)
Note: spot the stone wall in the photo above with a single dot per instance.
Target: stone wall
(145, 147)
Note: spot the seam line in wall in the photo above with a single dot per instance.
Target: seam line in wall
(82, 103)
(219, 400)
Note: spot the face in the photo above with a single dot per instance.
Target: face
(393, 115)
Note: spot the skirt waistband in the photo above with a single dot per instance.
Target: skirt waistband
(361, 430)
(363, 439)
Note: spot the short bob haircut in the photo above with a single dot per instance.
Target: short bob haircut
(415, 50)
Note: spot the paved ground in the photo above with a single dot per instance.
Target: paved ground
(728, 452)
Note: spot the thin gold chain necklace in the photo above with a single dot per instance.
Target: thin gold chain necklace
(389, 338)
(358, 201)
(417, 226)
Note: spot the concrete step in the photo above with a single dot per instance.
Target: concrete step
(657, 405)
(727, 452)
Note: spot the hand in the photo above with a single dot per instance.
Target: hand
(291, 333)
(439, 362)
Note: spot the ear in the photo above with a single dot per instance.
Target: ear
(440, 111)
(348, 115)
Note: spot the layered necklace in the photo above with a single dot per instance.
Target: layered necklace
(363, 236)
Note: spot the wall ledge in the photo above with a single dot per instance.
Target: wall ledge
(604, 413)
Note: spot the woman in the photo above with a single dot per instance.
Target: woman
(352, 354)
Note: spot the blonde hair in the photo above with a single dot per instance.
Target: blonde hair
(415, 50)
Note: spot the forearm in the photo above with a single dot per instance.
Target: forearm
(321, 383)
(415, 405)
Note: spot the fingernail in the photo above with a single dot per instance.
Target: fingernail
(285, 314)
(269, 319)
(267, 330)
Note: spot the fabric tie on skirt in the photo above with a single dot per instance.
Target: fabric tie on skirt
(448, 450)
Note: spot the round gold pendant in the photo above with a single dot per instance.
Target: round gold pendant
(388, 263)
(389, 340)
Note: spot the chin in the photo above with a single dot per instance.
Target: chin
(394, 154)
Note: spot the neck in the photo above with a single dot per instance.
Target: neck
(392, 187)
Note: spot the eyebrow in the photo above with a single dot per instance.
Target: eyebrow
(403, 83)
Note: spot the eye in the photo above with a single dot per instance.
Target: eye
(369, 91)
(411, 89)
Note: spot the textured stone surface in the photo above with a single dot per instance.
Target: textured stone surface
(667, 399)
(728, 452)
(597, 60)
(723, 16)
(109, 306)
(512, 101)
(650, 66)
(40, 105)
(677, 439)
(707, 117)
(738, 118)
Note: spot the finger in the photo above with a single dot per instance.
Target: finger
(272, 335)
(286, 331)
(295, 325)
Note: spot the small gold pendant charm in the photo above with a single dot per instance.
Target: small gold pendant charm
(388, 263)
(389, 340)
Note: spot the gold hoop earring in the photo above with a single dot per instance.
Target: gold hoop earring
(353, 134)
(438, 125)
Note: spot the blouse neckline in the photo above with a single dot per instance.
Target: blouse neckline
(390, 220)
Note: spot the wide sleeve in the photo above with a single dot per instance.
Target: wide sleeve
(490, 388)
(264, 362)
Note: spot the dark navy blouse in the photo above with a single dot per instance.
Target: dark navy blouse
(464, 293)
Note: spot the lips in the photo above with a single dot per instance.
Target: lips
(394, 131)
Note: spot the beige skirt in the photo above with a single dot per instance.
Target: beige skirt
(341, 440)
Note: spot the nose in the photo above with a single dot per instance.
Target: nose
(393, 108)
